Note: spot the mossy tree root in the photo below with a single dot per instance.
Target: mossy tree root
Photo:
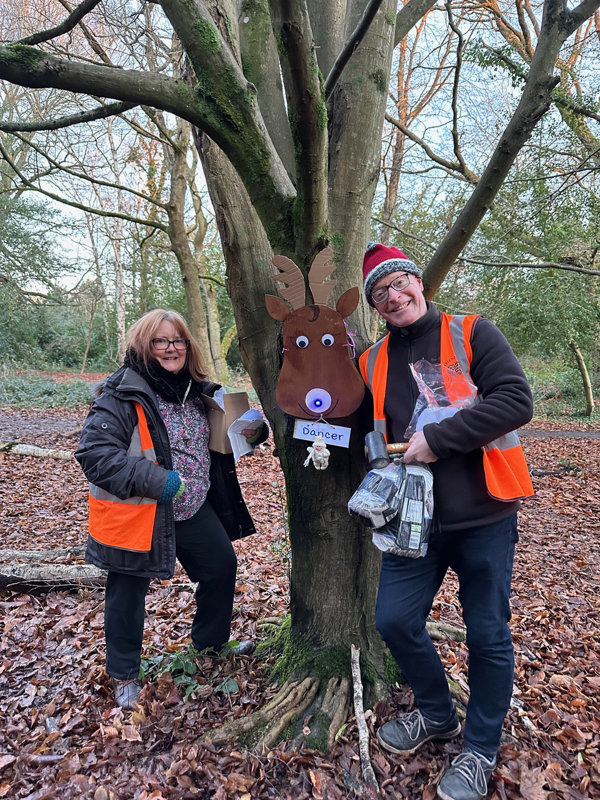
(294, 697)
(299, 713)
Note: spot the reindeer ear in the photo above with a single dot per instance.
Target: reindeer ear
(277, 308)
(348, 302)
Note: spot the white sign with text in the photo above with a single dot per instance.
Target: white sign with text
(331, 434)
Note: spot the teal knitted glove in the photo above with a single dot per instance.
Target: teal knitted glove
(173, 487)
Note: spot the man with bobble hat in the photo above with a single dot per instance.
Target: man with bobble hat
(480, 478)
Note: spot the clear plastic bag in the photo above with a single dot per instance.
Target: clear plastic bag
(441, 394)
(397, 502)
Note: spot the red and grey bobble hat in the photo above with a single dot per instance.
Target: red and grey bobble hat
(380, 260)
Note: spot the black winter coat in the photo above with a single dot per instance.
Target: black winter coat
(102, 454)
(461, 497)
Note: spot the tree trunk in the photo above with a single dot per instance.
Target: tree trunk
(182, 248)
(334, 564)
(585, 377)
(332, 601)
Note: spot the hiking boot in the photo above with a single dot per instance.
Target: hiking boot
(244, 648)
(466, 778)
(127, 693)
(407, 733)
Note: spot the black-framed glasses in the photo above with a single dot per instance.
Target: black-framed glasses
(381, 294)
(163, 344)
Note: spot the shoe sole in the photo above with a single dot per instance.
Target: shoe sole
(443, 796)
(448, 735)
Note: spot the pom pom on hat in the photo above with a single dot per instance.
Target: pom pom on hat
(381, 260)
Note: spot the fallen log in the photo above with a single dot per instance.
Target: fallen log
(20, 449)
(49, 577)
(60, 555)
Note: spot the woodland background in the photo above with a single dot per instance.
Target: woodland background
(103, 219)
(61, 738)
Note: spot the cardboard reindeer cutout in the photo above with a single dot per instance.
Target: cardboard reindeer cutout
(318, 378)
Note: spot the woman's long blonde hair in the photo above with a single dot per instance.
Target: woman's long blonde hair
(140, 334)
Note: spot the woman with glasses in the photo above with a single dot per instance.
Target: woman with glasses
(157, 493)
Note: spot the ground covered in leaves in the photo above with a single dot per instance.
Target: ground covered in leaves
(60, 736)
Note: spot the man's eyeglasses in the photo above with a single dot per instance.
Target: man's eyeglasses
(163, 344)
(381, 294)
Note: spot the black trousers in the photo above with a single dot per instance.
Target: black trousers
(205, 552)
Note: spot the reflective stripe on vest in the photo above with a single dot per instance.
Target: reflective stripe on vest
(126, 524)
(373, 365)
(506, 474)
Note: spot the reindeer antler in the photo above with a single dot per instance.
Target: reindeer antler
(321, 268)
(290, 274)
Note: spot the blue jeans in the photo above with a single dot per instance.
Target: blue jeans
(482, 559)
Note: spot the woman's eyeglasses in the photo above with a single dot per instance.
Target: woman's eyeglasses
(381, 294)
(163, 344)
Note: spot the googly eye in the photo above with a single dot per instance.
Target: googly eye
(327, 339)
(302, 342)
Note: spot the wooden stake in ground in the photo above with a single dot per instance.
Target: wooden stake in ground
(363, 732)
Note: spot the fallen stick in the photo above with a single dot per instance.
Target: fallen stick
(20, 449)
(363, 732)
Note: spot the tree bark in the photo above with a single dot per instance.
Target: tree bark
(585, 377)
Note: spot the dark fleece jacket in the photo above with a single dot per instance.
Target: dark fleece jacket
(460, 495)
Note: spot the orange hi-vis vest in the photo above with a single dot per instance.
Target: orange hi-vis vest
(506, 474)
(126, 524)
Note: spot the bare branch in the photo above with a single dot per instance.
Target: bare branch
(252, 154)
(481, 263)
(459, 58)
(88, 209)
(456, 168)
(533, 265)
(109, 110)
(71, 21)
(524, 29)
(84, 177)
(559, 98)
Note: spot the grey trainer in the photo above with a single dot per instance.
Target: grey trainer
(466, 778)
(127, 693)
(409, 731)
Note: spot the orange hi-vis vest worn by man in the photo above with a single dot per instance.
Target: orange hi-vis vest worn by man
(506, 474)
